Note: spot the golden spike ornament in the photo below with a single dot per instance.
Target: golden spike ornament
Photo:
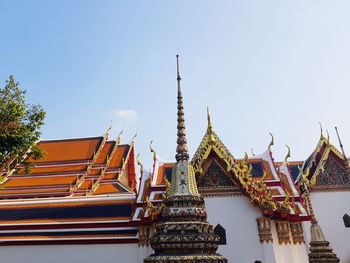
(252, 151)
(287, 156)
(321, 135)
(139, 163)
(119, 136)
(305, 175)
(246, 157)
(153, 151)
(257, 191)
(134, 138)
(108, 131)
(328, 137)
(271, 142)
(210, 127)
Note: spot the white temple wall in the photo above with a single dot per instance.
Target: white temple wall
(282, 251)
(300, 254)
(329, 208)
(106, 253)
(238, 216)
(288, 253)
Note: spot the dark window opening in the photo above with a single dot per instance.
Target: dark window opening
(346, 219)
(221, 232)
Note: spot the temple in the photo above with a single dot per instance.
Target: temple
(90, 200)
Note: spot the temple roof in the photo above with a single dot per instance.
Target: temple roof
(67, 221)
(273, 181)
(75, 167)
(82, 191)
(326, 168)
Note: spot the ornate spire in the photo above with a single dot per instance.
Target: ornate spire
(183, 233)
(181, 149)
(210, 127)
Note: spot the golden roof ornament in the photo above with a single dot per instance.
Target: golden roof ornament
(287, 156)
(210, 127)
(271, 142)
(252, 151)
(139, 163)
(321, 135)
(328, 137)
(108, 130)
(152, 150)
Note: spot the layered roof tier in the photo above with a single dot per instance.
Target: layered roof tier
(75, 167)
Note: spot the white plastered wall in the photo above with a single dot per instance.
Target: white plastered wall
(237, 215)
(288, 253)
(329, 208)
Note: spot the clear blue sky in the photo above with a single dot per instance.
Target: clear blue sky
(279, 66)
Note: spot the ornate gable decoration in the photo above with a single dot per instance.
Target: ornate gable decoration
(211, 142)
(214, 176)
(333, 174)
(326, 168)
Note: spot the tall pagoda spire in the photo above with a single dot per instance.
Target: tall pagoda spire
(182, 233)
(181, 149)
(183, 180)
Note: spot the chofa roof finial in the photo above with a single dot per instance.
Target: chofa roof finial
(321, 128)
(210, 126)
(288, 155)
(272, 142)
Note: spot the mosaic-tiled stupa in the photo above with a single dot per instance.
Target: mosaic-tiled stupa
(182, 233)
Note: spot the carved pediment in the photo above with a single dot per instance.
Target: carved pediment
(215, 177)
(333, 175)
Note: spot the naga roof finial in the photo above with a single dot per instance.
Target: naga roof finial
(252, 151)
(139, 163)
(321, 129)
(271, 143)
(181, 149)
(288, 155)
(108, 130)
(152, 150)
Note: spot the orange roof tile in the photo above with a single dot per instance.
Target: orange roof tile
(64, 163)
(71, 149)
(40, 181)
(108, 189)
(106, 150)
(118, 156)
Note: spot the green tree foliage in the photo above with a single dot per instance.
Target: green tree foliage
(19, 128)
